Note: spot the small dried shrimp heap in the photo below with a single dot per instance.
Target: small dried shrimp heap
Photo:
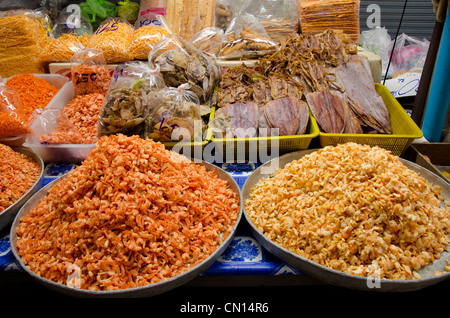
(18, 173)
(355, 209)
(132, 214)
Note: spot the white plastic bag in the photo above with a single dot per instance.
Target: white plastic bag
(409, 54)
(378, 41)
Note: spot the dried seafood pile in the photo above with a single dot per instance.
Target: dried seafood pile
(327, 65)
(373, 216)
(139, 103)
(251, 104)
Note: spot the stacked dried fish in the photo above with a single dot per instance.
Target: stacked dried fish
(339, 88)
(343, 15)
(246, 43)
(251, 104)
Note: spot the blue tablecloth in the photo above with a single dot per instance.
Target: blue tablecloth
(244, 255)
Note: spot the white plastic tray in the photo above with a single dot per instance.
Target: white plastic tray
(72, 153)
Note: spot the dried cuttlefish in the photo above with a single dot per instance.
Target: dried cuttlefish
(338, 84)
(273, 104)
(238, 120)
(240, 84)
(328, 109)
(355, 79)
(283, 116)
(288, 115)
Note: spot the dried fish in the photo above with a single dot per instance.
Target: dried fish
(355, 79)
(327, 65)
(241, 118)
(328, 109)
(287, 114)
(124, 112)
(306, 57)
(178, 116)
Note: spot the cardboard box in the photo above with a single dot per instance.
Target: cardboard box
(375, 63)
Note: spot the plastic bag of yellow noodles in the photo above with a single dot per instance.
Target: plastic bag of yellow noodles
(149, 29)
(113, 37)
(68, 36)
(21, 39)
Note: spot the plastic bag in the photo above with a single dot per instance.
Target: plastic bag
(89, 72)
(76, 121)
(180, 62)
(149, 29)
(13, 115)
(22, 36)
(246, 38)
(409, 54)
(65, 131)
(128, 10)
(278, 20)
(209, 40)
(178, 115)
(130, 100)
(224, 13)
(113, 37)
(69, 35)
(378, 41)
(69, 22)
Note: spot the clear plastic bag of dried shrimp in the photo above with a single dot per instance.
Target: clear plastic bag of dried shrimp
(13, 114)
(89, 72)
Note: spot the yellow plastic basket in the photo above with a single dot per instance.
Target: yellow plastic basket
(404, 129)
(252, 147)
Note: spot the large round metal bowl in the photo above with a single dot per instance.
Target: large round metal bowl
(335, 277)
(7, 215)
(137, 292)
